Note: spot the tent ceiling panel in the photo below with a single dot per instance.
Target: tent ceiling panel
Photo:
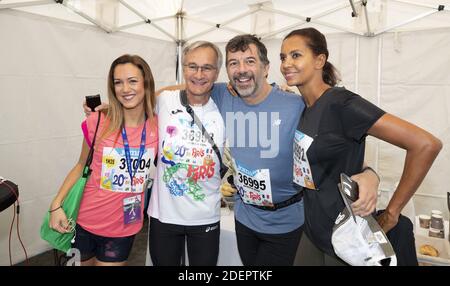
(437, 20)
(155, 9)
(148, 30)
(215, 36)
(266, 18)
(55, 11)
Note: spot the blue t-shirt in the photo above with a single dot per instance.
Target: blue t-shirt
(261, 138)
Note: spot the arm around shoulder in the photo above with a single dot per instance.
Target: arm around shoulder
(171, 87)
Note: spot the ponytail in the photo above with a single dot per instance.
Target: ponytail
(330, 75)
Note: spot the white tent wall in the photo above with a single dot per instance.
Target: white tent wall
(415, 85)
(47, 63)
(47, 67)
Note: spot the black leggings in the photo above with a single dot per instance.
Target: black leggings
(403, 242)
(166, 243)
(262, 249)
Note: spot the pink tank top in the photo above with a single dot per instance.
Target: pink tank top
(106, 200)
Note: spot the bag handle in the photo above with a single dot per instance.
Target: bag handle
(87, 170)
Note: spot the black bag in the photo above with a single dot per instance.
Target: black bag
(9, 193)
(196, 120)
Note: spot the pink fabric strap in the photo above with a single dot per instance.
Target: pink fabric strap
(85, 132)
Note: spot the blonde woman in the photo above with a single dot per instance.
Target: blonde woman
(111, 210)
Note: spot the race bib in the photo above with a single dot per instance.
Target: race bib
(253, 185)
(302, 169)
(185, 144)
(114, 174)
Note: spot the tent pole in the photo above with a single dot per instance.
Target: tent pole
(214, 25)
(128, 26)
(148, 21)
(425, 5)
(305, 20)
(180, 43)
(354, 13)
(380, 53)
(26, 4)
(366, 14)
(85, 16)
(238, 17)
(357, 64)
(423, 15)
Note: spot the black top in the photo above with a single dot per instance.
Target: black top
(338, 122)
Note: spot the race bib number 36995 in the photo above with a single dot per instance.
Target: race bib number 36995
(253, 185)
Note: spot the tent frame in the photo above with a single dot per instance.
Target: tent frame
(180, 17)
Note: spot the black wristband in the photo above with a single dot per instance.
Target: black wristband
(371, 169)
(50, 211)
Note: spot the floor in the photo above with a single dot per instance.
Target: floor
(136, 258)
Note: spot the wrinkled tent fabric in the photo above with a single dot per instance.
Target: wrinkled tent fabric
(51, 61)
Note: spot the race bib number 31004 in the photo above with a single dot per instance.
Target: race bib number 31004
(302, 169)
(115, 176)
(253, 185)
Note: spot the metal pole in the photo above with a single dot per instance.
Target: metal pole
(146, 19)
(425, 5)
(380, 54)
(304, 20)
(366, 14)
(354, 13)
(357, 64)
(85, 16)
(418, 17)
(26, 4)
(128, 26)
(180, 43)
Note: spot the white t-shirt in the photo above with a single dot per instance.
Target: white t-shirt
(187, 185)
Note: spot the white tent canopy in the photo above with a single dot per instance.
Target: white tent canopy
(219, 20)
(53, 53)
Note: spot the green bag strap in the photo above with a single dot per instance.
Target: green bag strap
(86, 170)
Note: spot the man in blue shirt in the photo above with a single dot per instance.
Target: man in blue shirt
(260, 127)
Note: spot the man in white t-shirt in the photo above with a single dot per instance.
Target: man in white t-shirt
(185, 201)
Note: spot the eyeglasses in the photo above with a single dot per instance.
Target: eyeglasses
(193, 68)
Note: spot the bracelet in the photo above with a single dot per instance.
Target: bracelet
(50, 211)
(371, 169)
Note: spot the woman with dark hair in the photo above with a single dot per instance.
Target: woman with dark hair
(331, 133)
(111, 209)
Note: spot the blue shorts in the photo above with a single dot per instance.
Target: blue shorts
(105, 249)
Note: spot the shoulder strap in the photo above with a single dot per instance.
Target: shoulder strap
(91, 151)
(196, 120)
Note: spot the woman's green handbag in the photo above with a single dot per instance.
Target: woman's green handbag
(71, 205)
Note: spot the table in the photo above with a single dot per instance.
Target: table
(441, 244)
(228, 251)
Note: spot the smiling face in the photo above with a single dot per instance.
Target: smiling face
(129, 86)
(200, 71)
(246, 72)
(299, 65)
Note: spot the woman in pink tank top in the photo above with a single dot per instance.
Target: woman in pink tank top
(111, 210)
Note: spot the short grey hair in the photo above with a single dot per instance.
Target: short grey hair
(204, 44)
